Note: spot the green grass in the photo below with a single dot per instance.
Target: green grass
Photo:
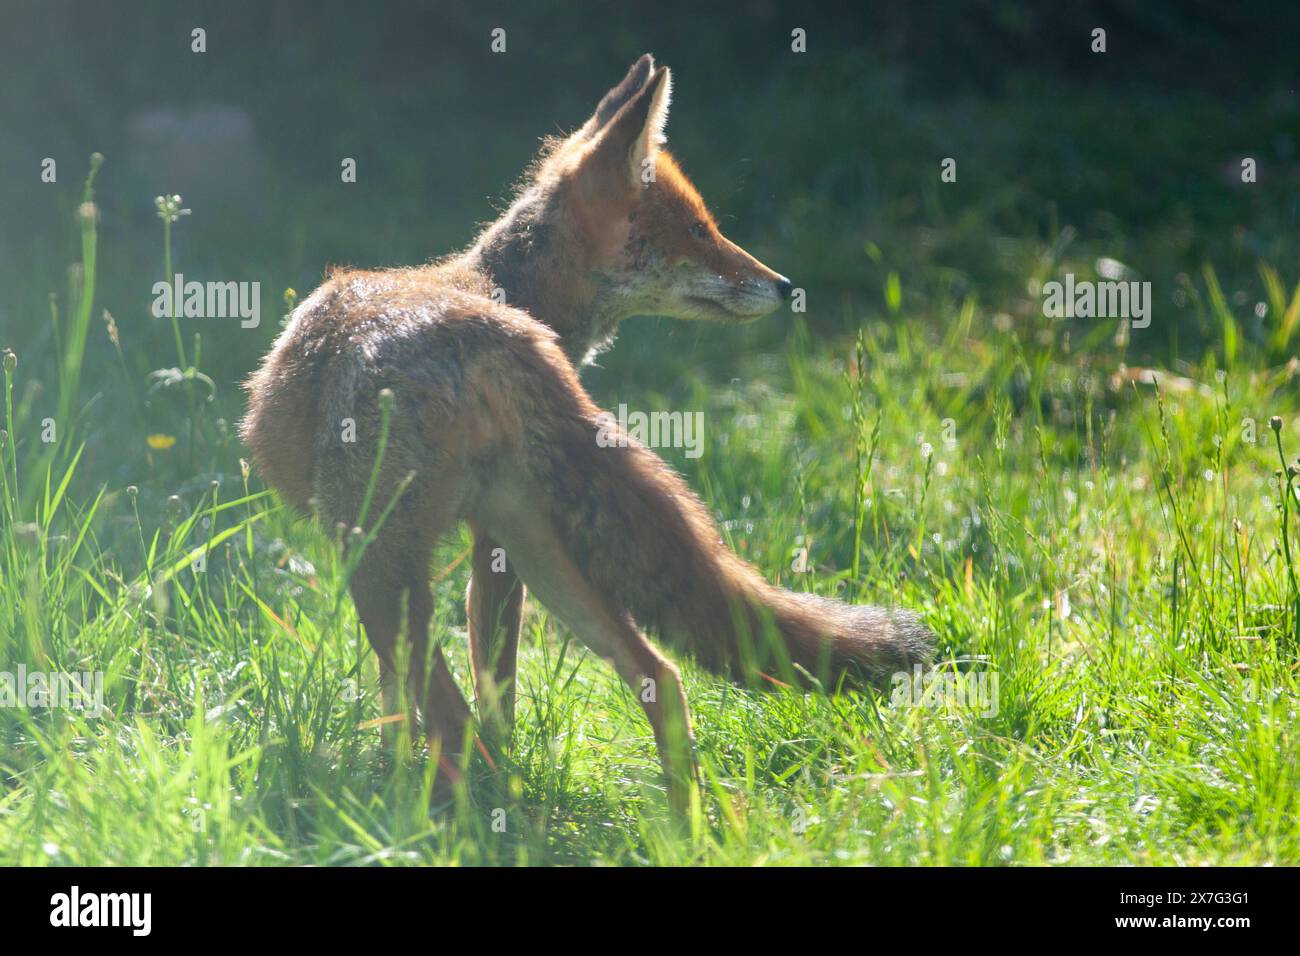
(1113, 543)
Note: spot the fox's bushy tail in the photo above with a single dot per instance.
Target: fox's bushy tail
(639, 533)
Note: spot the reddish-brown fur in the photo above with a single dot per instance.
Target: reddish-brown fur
(490, 425)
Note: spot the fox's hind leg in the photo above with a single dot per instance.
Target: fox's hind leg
(379, 605)
(495, 605)
(429, 682)
(395, 568)
(446, 715)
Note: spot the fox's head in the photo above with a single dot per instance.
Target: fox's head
(609, 210)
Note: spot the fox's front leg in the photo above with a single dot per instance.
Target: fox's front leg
(495, 605)
(610, 631)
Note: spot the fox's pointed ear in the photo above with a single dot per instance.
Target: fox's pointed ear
(628, 144)
(617, 98)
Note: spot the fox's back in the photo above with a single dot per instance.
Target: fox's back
(314, 413)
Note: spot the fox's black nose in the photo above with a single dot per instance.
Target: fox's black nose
(783, 287)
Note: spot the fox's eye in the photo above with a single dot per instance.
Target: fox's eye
(698, 229)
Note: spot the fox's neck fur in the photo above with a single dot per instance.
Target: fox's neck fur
(520, 258)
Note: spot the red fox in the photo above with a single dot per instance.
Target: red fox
(475, 356)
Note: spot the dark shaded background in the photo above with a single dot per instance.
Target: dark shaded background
(808, 158)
